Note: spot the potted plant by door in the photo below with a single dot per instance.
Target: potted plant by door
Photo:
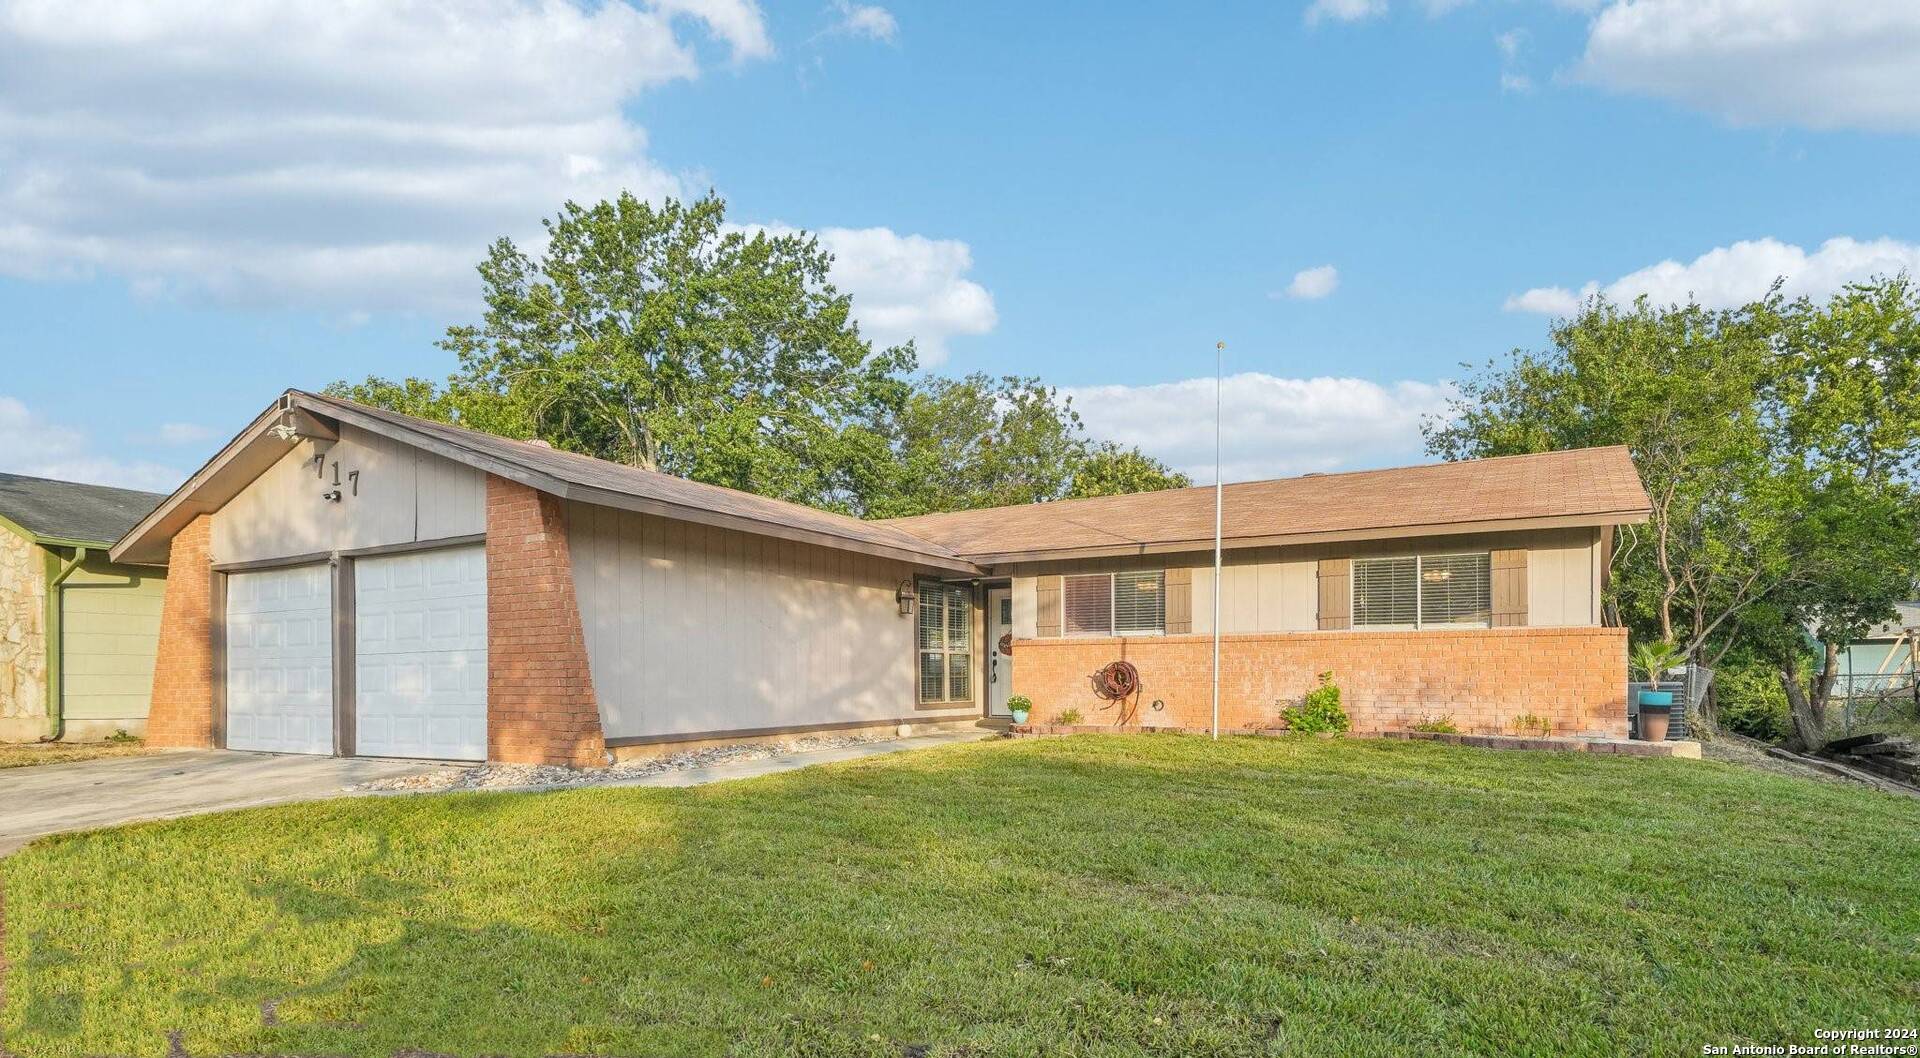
(1651, 661)
(1019, 705)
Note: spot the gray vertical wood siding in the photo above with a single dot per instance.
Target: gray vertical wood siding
(693, 629)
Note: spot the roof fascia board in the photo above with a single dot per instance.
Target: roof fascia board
(182, 497)
(678, 512)
(447, 449)
(1001, 558)
(644, 505)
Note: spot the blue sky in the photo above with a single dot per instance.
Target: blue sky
(198, 210)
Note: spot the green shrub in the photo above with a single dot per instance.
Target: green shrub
(1319, 711)
(1437, 725)
(1752, 702)
(1068, 716)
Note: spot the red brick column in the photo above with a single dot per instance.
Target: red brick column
(541, 707)
(182, 711)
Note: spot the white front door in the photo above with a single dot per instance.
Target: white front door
(999, 662)
(280, 660)
(420, 635)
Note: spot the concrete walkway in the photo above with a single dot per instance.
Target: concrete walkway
(57, 798)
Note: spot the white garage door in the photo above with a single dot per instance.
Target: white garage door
(420, 625)
(280, 660)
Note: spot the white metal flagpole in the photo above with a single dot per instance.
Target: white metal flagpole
(1219, 357)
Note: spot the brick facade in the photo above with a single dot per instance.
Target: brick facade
(541, 708)
(1483, 678)
(182, 711)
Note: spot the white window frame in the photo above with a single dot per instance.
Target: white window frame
(1113, 606)
(1419, 582)
(946, 651)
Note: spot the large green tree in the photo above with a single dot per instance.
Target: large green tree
(1777, 443)
(981, 441)
(664, 338)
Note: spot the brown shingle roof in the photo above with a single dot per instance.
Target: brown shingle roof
(1589, 485)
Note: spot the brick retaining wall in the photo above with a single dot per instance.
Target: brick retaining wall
(1482, 677)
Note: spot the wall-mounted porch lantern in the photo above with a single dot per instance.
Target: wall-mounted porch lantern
(905, 596)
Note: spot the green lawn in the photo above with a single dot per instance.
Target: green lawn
(1084, 896)
(26, 755)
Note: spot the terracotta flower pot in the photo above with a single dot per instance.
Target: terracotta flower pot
(1656, 711)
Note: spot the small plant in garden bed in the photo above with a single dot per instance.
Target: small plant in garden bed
(1437, 725)
(1529, 724)
(1068, 717)
(1319, 712)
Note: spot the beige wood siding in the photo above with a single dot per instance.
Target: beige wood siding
(109, 635)
(405, 495)
(1026, 598)
(1563, 578)
(693, 629)
(1258, 597)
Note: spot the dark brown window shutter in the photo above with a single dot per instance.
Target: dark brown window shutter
(1336, 593)
(1180, 601)
(1509, 569)
(1046, 620)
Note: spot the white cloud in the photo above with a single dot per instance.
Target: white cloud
(1311, 284)
(1516, 82)
(1820, 63)
(1733, 275)
(351, 156)
(909, 286)
(29, 444)
(1344, 10)
(865, 20)
(182, 433)
(1272, 427)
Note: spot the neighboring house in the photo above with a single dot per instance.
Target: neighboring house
(1885, 659)
(351, 580)
(77, 632)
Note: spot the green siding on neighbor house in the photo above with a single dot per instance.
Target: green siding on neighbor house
(109, 634)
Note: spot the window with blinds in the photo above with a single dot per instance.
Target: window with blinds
(1456, 590)
(1423, 592)
(945, 629)
(1087, 605)
(1140, 603)
(1105, 604)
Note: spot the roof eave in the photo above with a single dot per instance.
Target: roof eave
(1241, 543)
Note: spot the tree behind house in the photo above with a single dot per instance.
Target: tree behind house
(661, 337)
(1777, 441)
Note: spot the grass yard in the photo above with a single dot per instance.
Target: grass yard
(1086, 896)
(26, 755)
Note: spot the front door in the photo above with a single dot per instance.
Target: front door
(999, 659)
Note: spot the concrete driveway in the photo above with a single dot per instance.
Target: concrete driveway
(55, 798)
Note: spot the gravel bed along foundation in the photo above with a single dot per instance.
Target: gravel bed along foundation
(522, 776)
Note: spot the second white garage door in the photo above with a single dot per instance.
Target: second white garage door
(420, 630)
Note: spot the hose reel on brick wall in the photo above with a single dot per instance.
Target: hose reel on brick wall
(1118, 682)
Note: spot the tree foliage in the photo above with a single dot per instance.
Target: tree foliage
(662, 337)
(1778, 444)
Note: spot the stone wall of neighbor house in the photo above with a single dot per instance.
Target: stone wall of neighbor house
(23, 639)
(1483, 678)
(181, 713)
(541, 707)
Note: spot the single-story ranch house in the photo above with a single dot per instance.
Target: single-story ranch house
(349, 580)
(77, 632)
